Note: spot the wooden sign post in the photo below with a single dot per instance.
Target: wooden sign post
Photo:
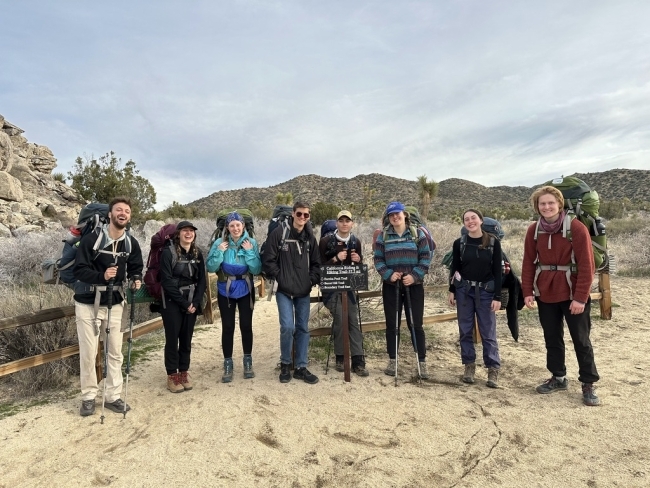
(343, 279)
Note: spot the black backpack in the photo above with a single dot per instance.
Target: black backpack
(91, 219)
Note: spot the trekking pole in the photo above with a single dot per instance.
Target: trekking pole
(413, 336)
(109, 305)
(130, 340)
(397, 310)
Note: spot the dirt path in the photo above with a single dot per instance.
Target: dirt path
(365, 433)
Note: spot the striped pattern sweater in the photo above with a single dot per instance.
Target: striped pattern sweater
(402, 254)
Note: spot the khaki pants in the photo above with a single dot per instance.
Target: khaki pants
(88, 343)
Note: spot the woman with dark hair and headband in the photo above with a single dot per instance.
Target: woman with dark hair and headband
(475, 290)
(235, 258)
(182, 276)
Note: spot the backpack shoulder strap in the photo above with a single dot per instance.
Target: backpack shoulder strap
(463, 243)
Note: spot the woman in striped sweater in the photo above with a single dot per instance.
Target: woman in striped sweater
(402, 258)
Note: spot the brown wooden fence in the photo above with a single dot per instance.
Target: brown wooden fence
(603, 295)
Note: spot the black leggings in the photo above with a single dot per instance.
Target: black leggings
(179, 328)
(227, 307)
(393, 306)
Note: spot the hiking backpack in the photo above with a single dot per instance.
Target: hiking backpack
(222, 230)
(159, 240)
(280, 216)
(416, 224)
(327, 230)
(91, 219)
(583, 203)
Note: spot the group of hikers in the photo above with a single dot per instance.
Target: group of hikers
(292, 260)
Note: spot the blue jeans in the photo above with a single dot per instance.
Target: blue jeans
(293, 326)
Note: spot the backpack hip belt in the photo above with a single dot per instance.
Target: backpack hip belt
(226, 278)
(98, 289)
(189, 288)
(568, 269)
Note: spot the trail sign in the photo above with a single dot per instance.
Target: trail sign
(344, 277)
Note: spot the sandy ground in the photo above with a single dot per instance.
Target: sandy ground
(365, 433)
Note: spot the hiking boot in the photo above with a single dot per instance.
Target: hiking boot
(117, 406)
(424, 372)
(390, 367)
(360, 370)
(493, 378)
(285, 373)
(227, 371)
(589, 398)
(468, 375)
(185, 381)
(552, 384)
(304, 374)
(248, 367)
(174, 383)
(87, 408)
(339, 366)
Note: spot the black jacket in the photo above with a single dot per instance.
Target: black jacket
(296, 267)
(182, 274)
(90, 266)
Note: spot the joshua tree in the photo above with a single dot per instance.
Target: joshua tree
(427, 191)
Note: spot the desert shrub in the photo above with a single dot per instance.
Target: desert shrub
(627, 226)
(21, 257)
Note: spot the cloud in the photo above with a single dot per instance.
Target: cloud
(221, 95)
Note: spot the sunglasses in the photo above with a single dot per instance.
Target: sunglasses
(302, 214)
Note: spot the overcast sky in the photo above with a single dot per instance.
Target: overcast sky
(219, 95)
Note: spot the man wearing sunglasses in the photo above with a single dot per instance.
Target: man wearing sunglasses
(292, 259)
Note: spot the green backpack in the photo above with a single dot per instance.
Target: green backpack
(582, 202)
(221, 229)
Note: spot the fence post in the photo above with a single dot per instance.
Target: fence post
(98, 361)
(606, 296)
(208, 312)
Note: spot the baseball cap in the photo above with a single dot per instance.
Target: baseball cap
(344, 213)
(394, 207)
(184, 223)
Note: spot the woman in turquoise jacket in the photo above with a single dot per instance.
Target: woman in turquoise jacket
(235, 258)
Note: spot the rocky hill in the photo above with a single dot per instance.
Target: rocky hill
(453, 194)
(30, 198)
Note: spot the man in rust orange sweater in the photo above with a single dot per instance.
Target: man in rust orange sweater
(557, 272)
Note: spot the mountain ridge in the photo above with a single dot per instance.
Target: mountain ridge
(453, 193)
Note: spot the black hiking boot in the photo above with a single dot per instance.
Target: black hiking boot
(285, 373)
(305, 375)
(117, 406)
(87, 408)
(589, 398)
(552, 384)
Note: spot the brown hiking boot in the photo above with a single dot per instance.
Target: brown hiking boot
(174, 383)
(184, 378)
(468, 375)
(493, 378)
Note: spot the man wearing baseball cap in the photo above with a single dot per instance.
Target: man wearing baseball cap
(339, 248)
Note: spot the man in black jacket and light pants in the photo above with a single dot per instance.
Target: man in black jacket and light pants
(292, 259)
(94, 269)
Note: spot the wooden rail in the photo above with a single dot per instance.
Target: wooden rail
(604, 297)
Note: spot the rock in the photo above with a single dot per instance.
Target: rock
(10, 188)
(6, 152)
(26, 178)
(4, 231)
(26, 229)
